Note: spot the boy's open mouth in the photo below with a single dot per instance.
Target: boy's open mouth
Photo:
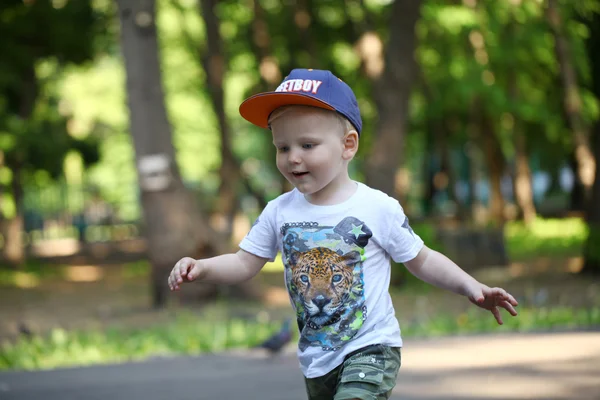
(299, 173)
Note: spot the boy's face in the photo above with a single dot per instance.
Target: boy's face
(312, 150)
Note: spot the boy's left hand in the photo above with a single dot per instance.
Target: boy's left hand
(491, 299)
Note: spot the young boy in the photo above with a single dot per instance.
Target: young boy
(336, 237)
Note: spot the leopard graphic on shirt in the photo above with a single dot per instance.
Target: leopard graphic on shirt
(324, 277)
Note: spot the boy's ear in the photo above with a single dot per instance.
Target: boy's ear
(350, 142)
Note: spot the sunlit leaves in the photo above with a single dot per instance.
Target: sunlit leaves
(345, 57)
(331, 16)
(429, 57)
(591, 106)
(469, 53)
(513, 38)
(454, 18)
(95, 95)
(273, 6)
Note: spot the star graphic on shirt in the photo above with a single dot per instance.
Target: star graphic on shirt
(357, 230)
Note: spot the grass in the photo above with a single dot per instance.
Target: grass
(529, 319)
(545, 237)
(136, 269)
(31, 274)
(190, 334)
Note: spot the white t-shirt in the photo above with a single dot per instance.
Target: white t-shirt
(337, 270)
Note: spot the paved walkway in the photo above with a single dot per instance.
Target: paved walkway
(528, 366)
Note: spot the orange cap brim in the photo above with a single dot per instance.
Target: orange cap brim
(258, 108)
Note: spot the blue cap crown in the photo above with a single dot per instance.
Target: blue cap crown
(311, 87)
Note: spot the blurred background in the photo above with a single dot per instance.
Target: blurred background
(122, 150)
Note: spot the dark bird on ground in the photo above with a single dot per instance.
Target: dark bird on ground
(277, 342)
(25, 330)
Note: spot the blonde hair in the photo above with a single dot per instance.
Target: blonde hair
(345, 124)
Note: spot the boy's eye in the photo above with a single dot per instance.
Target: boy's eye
(283, 149)
(307, 146)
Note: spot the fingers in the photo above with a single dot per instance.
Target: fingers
(502, 295)
(180, 272)
(512, 300)
(194, 271)
(172, 280)
(478, 298)
(497, 315)
(508, 307)
(497, 292)
(502, 299)
(498, 297)
(475, 293)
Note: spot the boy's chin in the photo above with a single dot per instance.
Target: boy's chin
(305, 190)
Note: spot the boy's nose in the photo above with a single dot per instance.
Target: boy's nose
(294, 157)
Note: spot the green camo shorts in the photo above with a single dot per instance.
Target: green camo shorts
(369, 374)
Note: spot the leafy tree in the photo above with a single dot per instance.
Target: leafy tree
(33, 127)
(585, 161)
(392, 89)
(174, 225)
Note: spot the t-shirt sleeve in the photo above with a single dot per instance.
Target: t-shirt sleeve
(262, 238)
(403, 243)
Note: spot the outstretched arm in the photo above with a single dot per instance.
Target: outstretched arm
(227, 269)
(437, 269)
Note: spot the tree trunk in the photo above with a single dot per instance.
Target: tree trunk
(452, 125)
(269, 69)
(428, 169)
(592, 245)
(303, 20)
(488, 138)
(448, 171)
(440, 177)
(522, 181)
(572, 101)
(14, 249)
(475, 156)
(391, 91)
(174, 227)
(214, 64)
(495, 164)
(578, 197)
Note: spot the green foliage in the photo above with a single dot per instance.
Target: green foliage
(479, 321)
(136, 269)
(592, 245)
(33, 119)
(548, 238)
(83, 106)
(67, 27)
(41, 142)
(188, 334)
(31, 274)
(191, 334)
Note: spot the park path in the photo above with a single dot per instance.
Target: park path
(513, 366)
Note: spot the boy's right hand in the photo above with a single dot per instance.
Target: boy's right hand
(186, 269)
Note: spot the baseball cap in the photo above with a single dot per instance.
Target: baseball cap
(308, 87)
